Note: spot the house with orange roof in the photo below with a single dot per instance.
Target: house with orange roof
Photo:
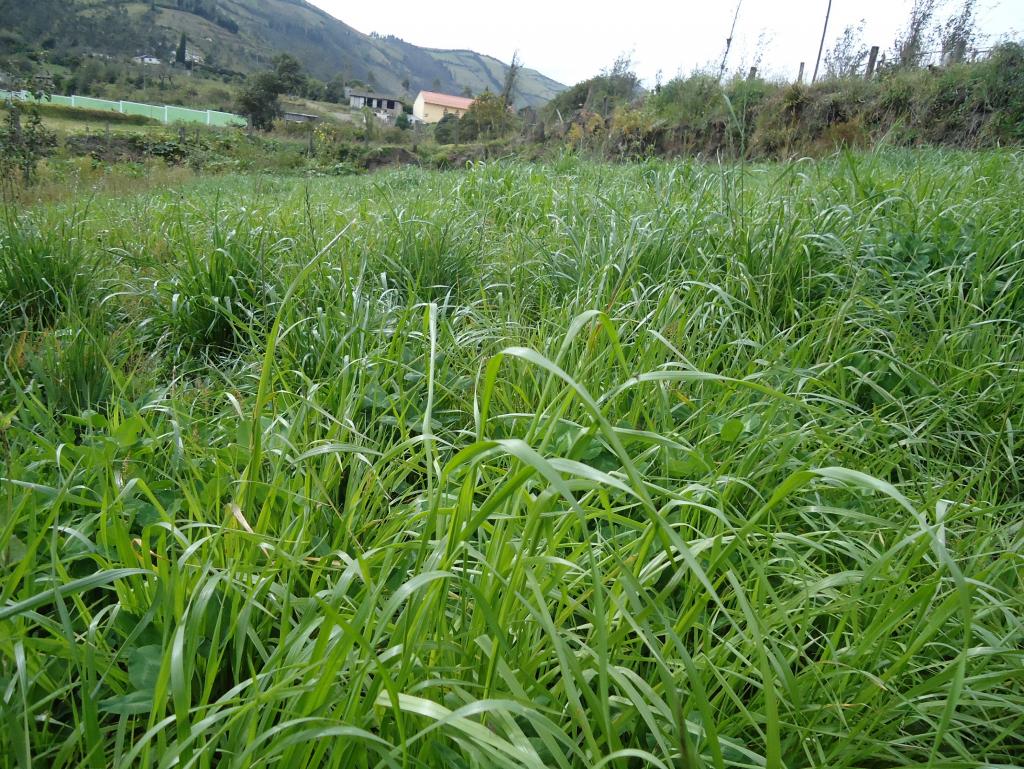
(430, 107)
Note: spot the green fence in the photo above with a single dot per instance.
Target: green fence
(165, 114)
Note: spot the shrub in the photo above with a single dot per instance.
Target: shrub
(22, 146)
(447, 130)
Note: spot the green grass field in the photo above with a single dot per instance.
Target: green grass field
(573, 465)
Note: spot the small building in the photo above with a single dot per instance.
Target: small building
(299, 117)
(379, 103)
(146, 59)
(430, 107)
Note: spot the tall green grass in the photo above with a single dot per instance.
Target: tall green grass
(526, 466)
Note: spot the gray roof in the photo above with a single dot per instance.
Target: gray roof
(370, 95)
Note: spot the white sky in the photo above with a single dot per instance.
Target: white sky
(571, 41)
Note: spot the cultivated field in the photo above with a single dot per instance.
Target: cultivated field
(658, 465)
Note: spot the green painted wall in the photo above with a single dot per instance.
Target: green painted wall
(165, 114)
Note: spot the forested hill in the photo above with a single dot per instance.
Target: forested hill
(243, 35)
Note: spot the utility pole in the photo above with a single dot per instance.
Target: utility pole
(728, 40)
(821, 48)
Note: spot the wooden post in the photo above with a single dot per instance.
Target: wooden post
(752, 74)
(872, 60)
(800, 77)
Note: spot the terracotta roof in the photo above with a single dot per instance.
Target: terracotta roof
(444, 100)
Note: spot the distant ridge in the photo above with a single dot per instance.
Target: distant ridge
(243, 35)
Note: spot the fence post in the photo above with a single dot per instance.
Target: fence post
(72, 100)
(800, 77)
(166, 119)
(752, 74)
(120, 106)
(872, 60)
(209, 117)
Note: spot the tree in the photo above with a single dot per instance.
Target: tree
(260, 101)
(334, 91)
(911, 45)
(22, 147)
(958, 34)
(508, 92)
(487, 116)
(182, 52)
(289, 73)
(314, 89)
(848, 54)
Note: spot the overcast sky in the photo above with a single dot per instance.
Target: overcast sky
(571, 41)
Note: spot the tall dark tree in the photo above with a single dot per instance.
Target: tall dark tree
(261, 100)
(911, 46)
(508, 92)
(959, 33)
(182, 53)
(289, 73)
(334, 91)
(848, 53)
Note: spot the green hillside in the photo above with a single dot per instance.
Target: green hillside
(243, 35)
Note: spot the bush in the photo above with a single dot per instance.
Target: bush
(22, 145)
(970, 105)
(447, 130)
(1000, 88)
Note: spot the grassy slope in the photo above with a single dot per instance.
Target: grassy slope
(570, 466)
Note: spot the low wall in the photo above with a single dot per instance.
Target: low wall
(165, 114)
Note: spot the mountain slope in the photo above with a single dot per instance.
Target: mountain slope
(243, 35)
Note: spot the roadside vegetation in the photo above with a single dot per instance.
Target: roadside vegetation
(969, 105)
(556, 465)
